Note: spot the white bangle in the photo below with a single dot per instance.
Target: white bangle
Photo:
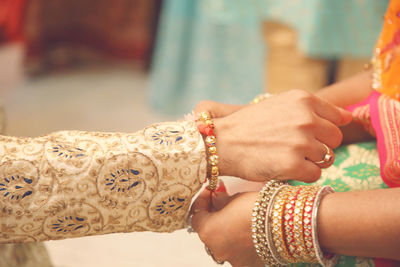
(324, 261)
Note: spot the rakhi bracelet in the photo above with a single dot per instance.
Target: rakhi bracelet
(258, 221)
(207, 129)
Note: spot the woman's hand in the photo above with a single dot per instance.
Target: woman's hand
(224, 226)
(279, 138)
(216, 109)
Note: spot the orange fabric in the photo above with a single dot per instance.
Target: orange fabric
(388, 52)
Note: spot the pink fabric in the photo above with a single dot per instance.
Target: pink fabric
(377, 110)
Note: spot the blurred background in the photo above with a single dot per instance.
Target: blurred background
(120, 65)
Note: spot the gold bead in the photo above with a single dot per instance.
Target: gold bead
(212, 149)
(213, 160)
(210, 140)
(214, 170)
(209, 123)
(205, 116)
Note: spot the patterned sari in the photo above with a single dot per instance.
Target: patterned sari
(374, 165)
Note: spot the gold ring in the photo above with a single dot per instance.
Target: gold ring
(328, 160)
(209, 253)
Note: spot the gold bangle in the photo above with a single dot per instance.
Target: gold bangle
(289, 218)
(278, 237)
(259, 217)
(300, 253)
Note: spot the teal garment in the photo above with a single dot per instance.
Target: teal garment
(202, 56)
(356, 167)
(213, 49)
(330, 28)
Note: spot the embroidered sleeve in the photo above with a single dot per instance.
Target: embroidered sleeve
(72, 183)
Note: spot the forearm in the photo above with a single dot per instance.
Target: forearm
(71, 183)
(361, 223)
(348, 92)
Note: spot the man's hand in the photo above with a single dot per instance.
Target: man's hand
(279, 138)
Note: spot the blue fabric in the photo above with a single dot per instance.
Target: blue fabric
(213, 49)
(202, 56)
(331, 28)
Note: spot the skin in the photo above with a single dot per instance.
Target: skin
(274, 141)
(352, 223)
(366, 224)
(356, 89)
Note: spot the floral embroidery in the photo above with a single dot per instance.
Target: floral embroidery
(362, 170)
(181, 137)
(72, 218)
(71, 155)
(73, 183)
(68, 224)
(168, 137)
(170, 205)
(122, 180)
(127, 178)
(67, 151)
(16, 187)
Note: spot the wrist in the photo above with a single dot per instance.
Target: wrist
(223, 144)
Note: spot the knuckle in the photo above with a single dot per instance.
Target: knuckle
(292, 164)
(301, 146)
(307, 121)
(301, 94)
(204, 105)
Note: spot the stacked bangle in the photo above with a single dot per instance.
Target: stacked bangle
(258, 221)
(207, 129)
(291, 225)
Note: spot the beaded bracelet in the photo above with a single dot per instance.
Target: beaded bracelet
(260, 98)
(208, 129)
(258, 221)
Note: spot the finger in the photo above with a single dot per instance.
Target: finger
(201, 210)
(317, 152)
(332, 113)
(328, 133)
(310, 172)
(216, 109)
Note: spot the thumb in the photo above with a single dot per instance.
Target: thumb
(216, 109)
